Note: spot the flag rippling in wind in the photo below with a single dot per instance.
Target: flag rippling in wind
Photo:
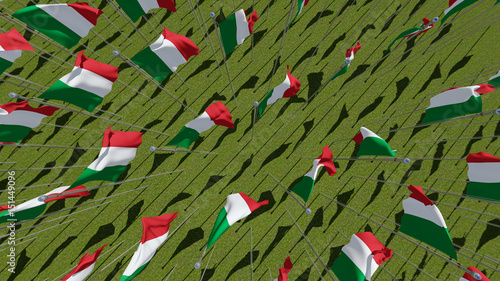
(371, 144)
(235, 28)
(455, 6)
(300, 5)
(289, 88)
(137, 8)
(287, 267)
(349, 56)
(12, 43)
(468, 277)
(414, 31)
(484, 176)
(84, 268)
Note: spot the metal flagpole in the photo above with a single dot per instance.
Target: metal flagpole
(153, 149)
(216, 27)
(8, 163)
(346, 62)
(182, 80)
(129, 21)
(24, 80)
(251, 256)
(270, 277)
(114, 260)
(253, 31)
(209, 40)
(314, 264)
(26, 187)
(211, 252)
(131, 63)
(171, 271)
(27, 236)
(255, 105)
(48, 146)
(39, 169)
(103, 15)
(14, 95)
(308, 211)
(402, 160)
(485, 222)
(198, 21)
(445, 140)
(137, 92)
(154, 30)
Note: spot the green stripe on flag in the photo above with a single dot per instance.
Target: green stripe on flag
(13, 133)
(185, 137)
(441, 113)
(459, 7)
(4, 64)
(304, 188)
(46, 24)
(345, 269)
(128, 278)
(495, 81)
(220, 226)
(107, 174)
(403, 34)
(81, 98)
(490, 191)
(228, 34)
(27, 214)
(340, 72)
(152, 64)
(263, 104)
(132, 8)
(375, 146)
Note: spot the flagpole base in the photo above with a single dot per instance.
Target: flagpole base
(308, 211)
(212, 14)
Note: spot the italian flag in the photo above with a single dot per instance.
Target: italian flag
(63, 23)
(468, 277)
(287, 89)
(359, 259)
(495, 80)
(118, 149)
(414, 31)
(33, 208)
(455, 6)
(84, 268)
(154, 233)
(371, 144)
(423, 221)
(86, 85)
(18, 118)
(300, 5)
(238, 206)
(235, 28)
(137, 8)
(11, 45)
(216, 114)
(456, 102)
(305, 186)
(163, 57)
(287, 267)
(484, 176)
(349, 56)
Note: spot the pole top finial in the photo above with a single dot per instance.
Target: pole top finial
(308, 211)
(477, 276)
(212, 14)
(42, 198)
(255, 103)
(152, 149)
(116, 53)
(496, 111)
(348, 61)
(197, 265)
(14, 95)
(435, 19)
(407, 160)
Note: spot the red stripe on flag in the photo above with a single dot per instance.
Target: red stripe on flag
(294, 85)
(168, 4)
(418, 194)
(13, 40)
(64, 195)
(6, 207)
(105, 70)
(379, 251)
(185, 46)
(326, 161)
(154, 227)
(481, 157)
(358, 138)
(252, 205)
(485, 88)
(121, 139)
(353, 49)
(251, 21)
(220, 115)
(287, 266)
(467, 276)
(23, 105)
(89, 13)
(85, 262)
(451, 2)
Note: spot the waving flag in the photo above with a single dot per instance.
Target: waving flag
(118, 149)
(414, 31)
(137, 8)
(455, 6)
(300, 5)
(235, 28)
(371, 144)
(287, 89)
(305, 186)
(63, 23)
(468, 277)
(216, 114)
(238, 206)
(287, 267)
(18, 118)
(359, 259)
(84, 268)
(86, 85)
(495, 79)
(484, 176)
(11, 45)
(34, 207)
(349, 56)
(456, 102)
(154, 233)
(163, 57)
(423, 220)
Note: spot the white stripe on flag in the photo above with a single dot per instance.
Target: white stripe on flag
(168, 53)
(34, 202)
(147, 5)
(279, 90)
(21, 118)
(367, 133)
(113, 156)
(81, 275)
(359, 253)
(236, 208)
(241, 27)
(69, 17)
(431, 212)
(495, 76)
(88, 81)
(484, 172)
(453, 6)
(10, 55)
(144, 254)
(454, 96)
(312, 174)
(201, 123)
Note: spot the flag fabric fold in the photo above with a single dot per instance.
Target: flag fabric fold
(238, 206)
(137, 8)
(484, 176)
(287, 267)
(163, 57)
(86, 85)
(371, 144)
(118, 149)
(18, 118)
(349, 56)
(305, 186)
(12, 43)
(455, 6)
(84, 268)
(154, 233)
(63, 23)
(495, 80)
(300, 5)
(216, 114)
(468, 277)
(289, 88)
(359, 259)
(414, 31)
(423, 220)
(235, 28)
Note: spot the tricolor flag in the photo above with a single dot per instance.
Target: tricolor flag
(238, 206)
(154, 233)
(137, 8)
(305, 186)
(235, 28)
(86, 85)
(163, 57)
(468, 277)
(423, 220)
(18, 118)
(287, 89)
(216, 114)
(359, 259)
(456, 102)
(484, 176)
(349, 56)
(287, 267)
(84, 268)
(33, 208)
(371, 144)
(300, 5)
(11, 45)
(63, 23)
(495, 79)
(414, 31)
(118, 149)
(455, 6)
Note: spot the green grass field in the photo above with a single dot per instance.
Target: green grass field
(461, 54)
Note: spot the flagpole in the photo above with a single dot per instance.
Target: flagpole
(209, 40)
(103, 111)
(198, 21)
(308, 211)
(485, 222)
(24, 80)
(314, 264)
(472, 211)
(255, 105)
(29, 235)
(216, 27)
(19, 85)
(103, 15)
(150, 25)
(129, 21)
(270, 277)
(14, 95)
(346, 62)
(253, 9)
(445, 140)
(49, 146)
(402, 160)
(8, 163)
(171, 271)
(26, 187)
(114, 261)
(198, 263)
(131, 63)
(412, 264)
(211, 252)
(310, 245)
(39, 169)
(153, 149)
(251, 256)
